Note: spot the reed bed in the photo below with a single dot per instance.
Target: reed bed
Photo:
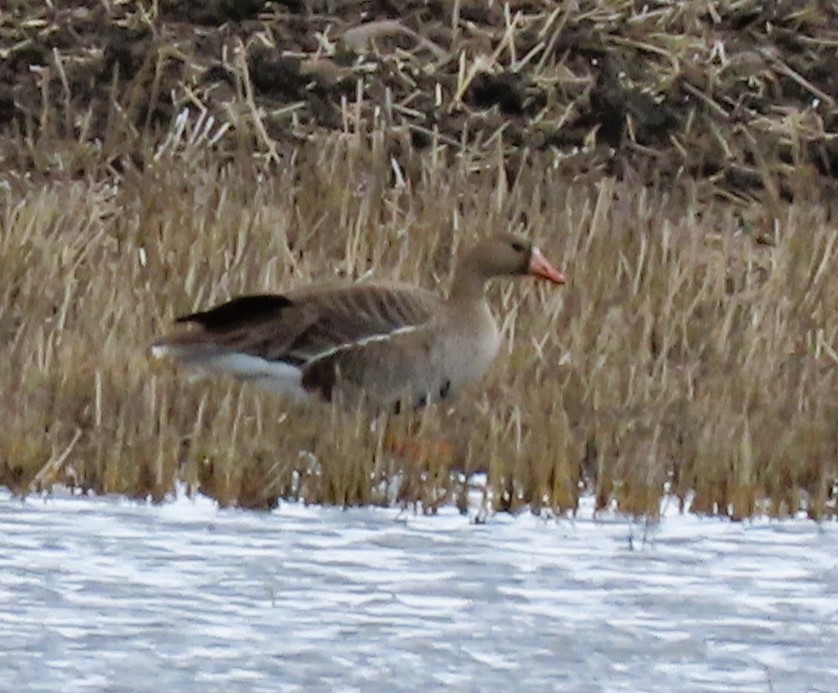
(677, 160)
(685, 356)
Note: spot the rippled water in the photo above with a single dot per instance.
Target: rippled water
(110, 595)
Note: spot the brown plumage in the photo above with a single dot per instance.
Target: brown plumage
(389, 345)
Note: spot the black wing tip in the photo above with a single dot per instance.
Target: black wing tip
(238, 310)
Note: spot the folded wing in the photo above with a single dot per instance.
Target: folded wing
(309, 338)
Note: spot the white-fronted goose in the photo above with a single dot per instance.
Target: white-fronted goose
(391, 345)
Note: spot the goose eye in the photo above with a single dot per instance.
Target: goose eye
(518, 247)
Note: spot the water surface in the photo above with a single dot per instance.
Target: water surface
(103, 594)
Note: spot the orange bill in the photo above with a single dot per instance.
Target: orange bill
(540, 267)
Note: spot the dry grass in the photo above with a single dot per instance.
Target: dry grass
(679, 161)
(695, 348)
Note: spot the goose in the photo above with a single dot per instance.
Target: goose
(390, 346)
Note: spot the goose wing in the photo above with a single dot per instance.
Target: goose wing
(303, 326)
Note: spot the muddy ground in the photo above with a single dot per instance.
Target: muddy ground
(738, 96)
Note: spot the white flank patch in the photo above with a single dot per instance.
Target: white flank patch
(276, 376)
(366, 340)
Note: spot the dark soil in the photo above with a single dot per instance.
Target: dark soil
(740, 96)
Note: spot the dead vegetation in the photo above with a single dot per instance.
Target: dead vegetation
(683, 354)
(677, 160)
(739, 97)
